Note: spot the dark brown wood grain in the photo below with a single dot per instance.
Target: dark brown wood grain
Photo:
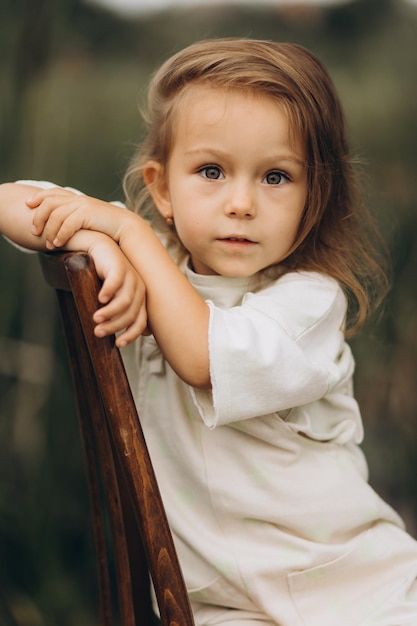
(118, 462)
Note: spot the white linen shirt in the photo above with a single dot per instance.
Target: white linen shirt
(262, 478)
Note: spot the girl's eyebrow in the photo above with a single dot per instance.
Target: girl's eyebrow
(291, 158)
(211, 151)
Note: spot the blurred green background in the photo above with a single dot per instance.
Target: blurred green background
(71, 79)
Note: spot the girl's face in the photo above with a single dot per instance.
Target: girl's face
(235, 182)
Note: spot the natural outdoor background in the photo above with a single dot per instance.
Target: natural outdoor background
(71, 77)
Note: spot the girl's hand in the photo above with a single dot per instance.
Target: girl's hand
(122, 295)
(60, 213)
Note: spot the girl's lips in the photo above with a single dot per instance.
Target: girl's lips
(236, 243)
(236, 240)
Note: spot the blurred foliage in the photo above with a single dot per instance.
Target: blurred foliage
(71, 77)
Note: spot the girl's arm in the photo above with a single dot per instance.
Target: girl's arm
(122, 296)
(178, 316)
(16, 217)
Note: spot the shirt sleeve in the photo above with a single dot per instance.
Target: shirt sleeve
(45, 184)
(283, 347)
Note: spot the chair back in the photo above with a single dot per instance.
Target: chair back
(123, 489)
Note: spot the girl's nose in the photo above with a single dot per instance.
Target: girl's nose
(241, 201)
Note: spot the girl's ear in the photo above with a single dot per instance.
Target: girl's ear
(155, 179)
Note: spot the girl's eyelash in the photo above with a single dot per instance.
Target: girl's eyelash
(280, 173)
(211, 171)
(206, 166)
(204, 169)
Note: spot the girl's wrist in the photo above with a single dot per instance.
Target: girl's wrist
(133, 227)
(86, 240)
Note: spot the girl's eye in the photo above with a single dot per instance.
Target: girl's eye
(275, 177)
(211, 172)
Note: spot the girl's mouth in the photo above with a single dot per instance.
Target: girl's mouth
(237, 240)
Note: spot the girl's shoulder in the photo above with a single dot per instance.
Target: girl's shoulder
(302, 285)
(301, 300)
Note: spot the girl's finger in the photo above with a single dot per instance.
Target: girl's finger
(135, 330)
(62, 225)
(121, 290)
(113, 326)
(36, 199)
(118, 320)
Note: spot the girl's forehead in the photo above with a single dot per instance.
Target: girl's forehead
(195, 93)
(208, 104)
(214, 101)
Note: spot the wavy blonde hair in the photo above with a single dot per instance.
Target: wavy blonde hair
(336, 234)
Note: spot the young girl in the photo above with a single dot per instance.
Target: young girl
(257, 264)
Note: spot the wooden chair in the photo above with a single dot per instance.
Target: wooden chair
(123, 488)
